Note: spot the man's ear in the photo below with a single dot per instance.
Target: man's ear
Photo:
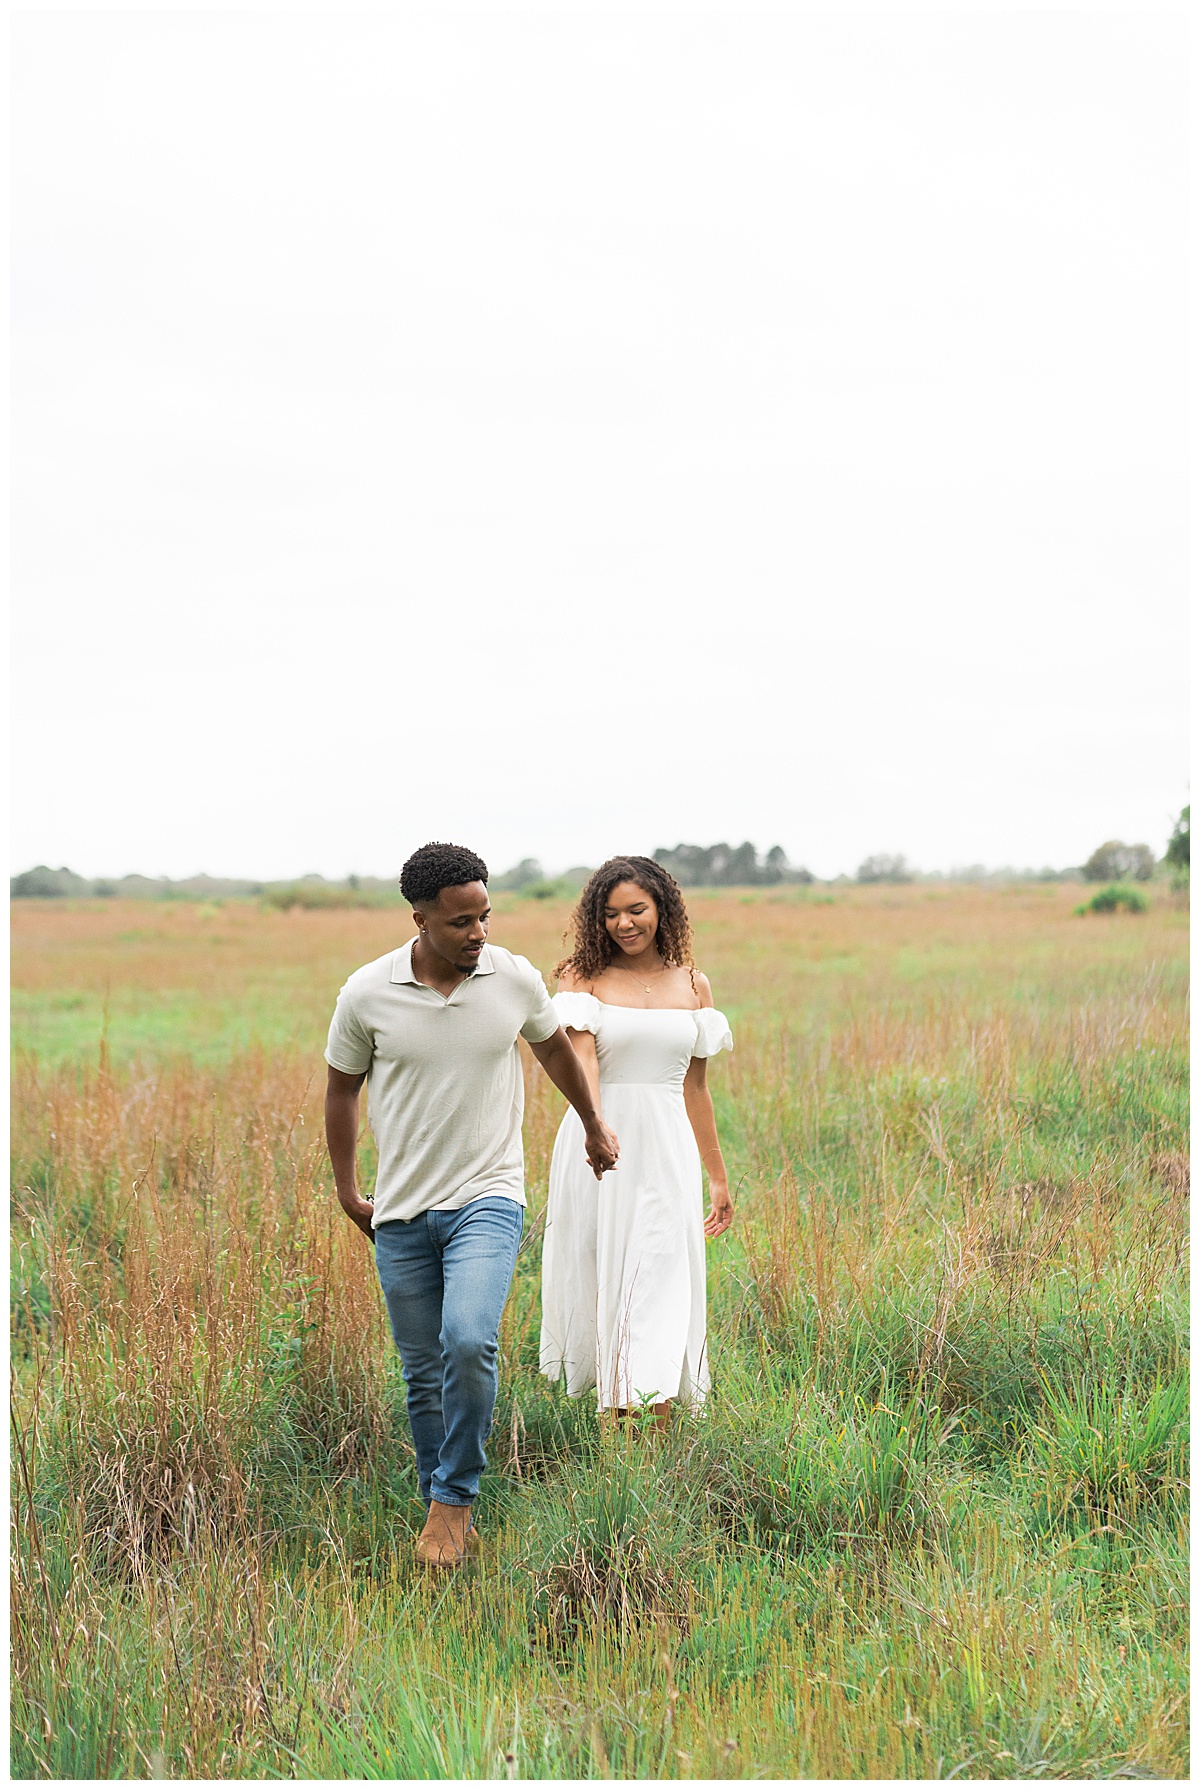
(419, 916)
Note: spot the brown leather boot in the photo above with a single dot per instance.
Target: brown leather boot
(445, 1541)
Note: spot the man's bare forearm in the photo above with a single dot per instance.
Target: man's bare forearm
(567, 1073)
(565, 1070)
(341, 1136)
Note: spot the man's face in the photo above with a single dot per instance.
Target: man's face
(456, 924)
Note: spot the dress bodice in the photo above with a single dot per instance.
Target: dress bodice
(645, 1045)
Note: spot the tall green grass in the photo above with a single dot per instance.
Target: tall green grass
(930, 1523)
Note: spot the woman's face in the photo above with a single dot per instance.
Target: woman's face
(630, 917)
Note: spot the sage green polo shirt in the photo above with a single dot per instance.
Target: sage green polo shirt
(445, 1092)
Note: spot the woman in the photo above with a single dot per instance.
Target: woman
(623, 1305)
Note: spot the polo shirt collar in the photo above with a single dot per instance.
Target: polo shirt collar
(402, 969)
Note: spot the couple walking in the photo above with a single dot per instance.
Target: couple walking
(432, 1028)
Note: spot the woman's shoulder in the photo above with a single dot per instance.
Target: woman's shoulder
(703, 988)
(570, 982)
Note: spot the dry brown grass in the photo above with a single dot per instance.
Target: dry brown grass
(955, 1123)
(198, 1271)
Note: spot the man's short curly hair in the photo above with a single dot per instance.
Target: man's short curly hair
(595, 950)
(436, 867)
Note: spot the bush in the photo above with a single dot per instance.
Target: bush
(42, 881)
(884, 868)
(1116, 896)
(314, 894)
(1114, 862)
(520, 877)
(551, 888)
(529, 879)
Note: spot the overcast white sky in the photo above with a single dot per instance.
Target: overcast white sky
(573, 431)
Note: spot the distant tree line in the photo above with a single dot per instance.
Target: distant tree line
(694, 866)
(306, 891)
(1112, 862)
(43, 881)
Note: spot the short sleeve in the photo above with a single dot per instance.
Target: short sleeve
(350, 1047)
(543, 1021)
(712, 1032)
(579, 1011)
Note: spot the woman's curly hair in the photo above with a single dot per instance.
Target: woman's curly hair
(595, 950)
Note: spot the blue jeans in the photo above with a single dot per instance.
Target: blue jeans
(445, 1276)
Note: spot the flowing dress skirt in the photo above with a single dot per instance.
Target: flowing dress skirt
(623, 1270)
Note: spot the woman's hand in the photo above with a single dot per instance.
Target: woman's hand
(601, 1147)
(720, 1212)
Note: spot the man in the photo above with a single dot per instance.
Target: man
(432, 1028)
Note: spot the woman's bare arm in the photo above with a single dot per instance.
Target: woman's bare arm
(698, 1101)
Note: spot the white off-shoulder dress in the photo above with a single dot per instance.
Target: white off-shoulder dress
(623, 1299)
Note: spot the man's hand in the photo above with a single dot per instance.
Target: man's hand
(341, 1134)
(558, 1058)
(600, 1145)
(362, 1212)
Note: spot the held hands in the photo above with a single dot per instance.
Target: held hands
(720, 1215)
(601, 1147)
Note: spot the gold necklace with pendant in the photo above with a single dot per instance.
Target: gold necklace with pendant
(645, 985)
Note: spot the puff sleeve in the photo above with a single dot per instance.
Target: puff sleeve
(579, 1011)
(712, 1032)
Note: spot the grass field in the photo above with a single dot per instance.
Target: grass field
(930, 1524)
